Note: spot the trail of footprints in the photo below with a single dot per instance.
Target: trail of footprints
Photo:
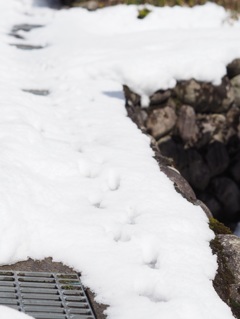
(91, 170)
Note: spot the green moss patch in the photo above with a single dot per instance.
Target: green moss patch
(218, 227)
(143, 13)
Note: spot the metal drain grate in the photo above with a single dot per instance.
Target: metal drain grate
(45, 295)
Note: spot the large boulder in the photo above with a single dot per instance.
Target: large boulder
(227, 280)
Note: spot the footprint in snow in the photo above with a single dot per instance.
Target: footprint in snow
(87, 169)
(150, 253)
(95, 199)
(113, 180)
(122, 236)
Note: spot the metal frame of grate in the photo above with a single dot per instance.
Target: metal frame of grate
(45, 295)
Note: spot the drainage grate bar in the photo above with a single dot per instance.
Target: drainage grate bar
(80, 317)
(7, 295)
(36, 279)
(39, 284)
(47, 315)
(35, 274)
(36, 302)
(39, 290)
(41, 296)
(75, 298)
(6, 283)
(6, 278)
(7, 289)
(45, 295)
(80, 311)
(7, 273)
(5, 301)
(44, 309)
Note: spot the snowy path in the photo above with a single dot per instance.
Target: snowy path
(78, 181)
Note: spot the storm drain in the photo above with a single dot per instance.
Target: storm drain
(45, 295)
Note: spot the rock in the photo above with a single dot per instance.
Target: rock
(161, 121)
(132, 99)
(188, 91)
(197, 172)
(91, 5)
(212, 203)
(233, 118)
(205, 97)
(167, 146)
(228, 194)
(180, 184)
(235, 170)
(171, 149)
(227, 280)
(159, 97)
(217, 158)
(235, 82)
(233, 68)
(212, 127)
(186, 125)
(204, 208)
(233, 146)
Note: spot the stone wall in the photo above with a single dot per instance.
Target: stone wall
(197, 125)
(229, 4)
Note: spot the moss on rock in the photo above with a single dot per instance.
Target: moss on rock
(218, 227)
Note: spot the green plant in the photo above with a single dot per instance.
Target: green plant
(142, 13)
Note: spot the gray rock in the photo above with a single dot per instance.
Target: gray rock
(196, 171)
(231, 248)
(235, 82)
(233, 117)
(186, 125)
(235, 171)
(213, 126)
(233, 68)
(132, 99)
(229, 260)
(159, 97)
(228, 194)
(180, 184)
(188, 91)
(204, 208)
(91, 5)
(205, 97)
(161, 121)
(217, 158)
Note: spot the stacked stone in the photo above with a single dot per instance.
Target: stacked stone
(197, 124)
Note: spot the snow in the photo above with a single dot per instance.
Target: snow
(9, 313)
(78, 179)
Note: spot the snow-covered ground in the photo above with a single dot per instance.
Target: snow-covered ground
(78, 181)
